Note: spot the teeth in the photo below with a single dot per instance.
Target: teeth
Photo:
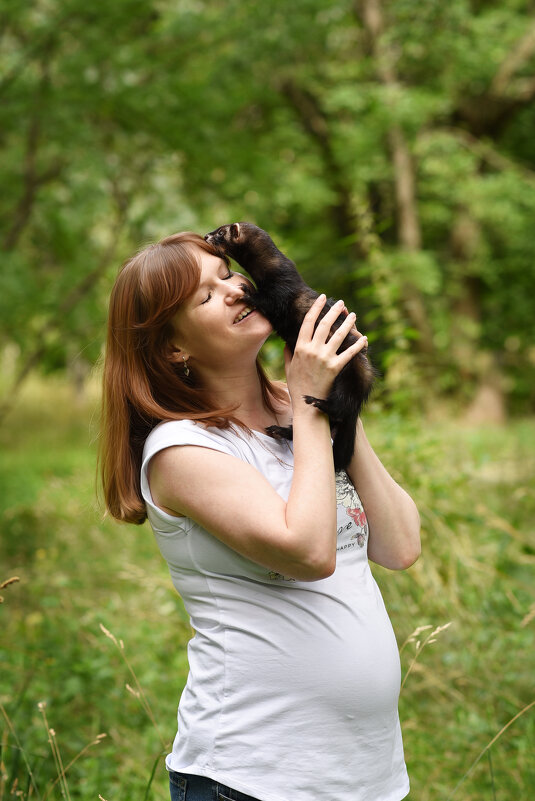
(244, 313)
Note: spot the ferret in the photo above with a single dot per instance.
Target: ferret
(284, 298)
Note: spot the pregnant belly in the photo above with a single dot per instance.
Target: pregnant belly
(346, 665)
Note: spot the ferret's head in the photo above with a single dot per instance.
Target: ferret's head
(235, 240)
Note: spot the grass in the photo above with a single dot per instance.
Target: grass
(464, 683)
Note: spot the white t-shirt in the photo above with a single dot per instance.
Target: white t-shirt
(293, 686)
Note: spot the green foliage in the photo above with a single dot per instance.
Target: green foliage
(121, 125)
(77, 571)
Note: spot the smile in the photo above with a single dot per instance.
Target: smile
(243, 314)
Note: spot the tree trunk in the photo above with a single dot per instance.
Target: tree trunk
(476, 365)
(69, 303)
(408, 223)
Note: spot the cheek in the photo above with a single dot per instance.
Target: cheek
(210, 331)
(189, 333)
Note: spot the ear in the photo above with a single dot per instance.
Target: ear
(235, 231)
(178, 355)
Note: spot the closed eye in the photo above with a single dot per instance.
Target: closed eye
(209, 296)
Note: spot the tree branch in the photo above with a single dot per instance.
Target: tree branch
(484, 151)
(71, 300)
(314, 122)
(32, 178)
(520, 54)
(488, 113)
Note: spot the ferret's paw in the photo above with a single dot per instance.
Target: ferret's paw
(319, 403)
(250, 296)
(280, 432)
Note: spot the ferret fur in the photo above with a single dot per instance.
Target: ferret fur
(284, 298)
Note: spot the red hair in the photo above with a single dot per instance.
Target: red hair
(143, 385)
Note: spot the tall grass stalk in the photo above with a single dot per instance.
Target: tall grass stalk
(55, 753)
(98, 739)
(138, 692)
(152, 774)
(21, 749)
(489, 746)
(3, 774)
(7, 583)
(431, 637)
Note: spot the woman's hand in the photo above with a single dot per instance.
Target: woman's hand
(315, 363)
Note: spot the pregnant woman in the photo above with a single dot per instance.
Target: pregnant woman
(294, 671)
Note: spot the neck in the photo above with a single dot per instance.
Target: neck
(240, 387)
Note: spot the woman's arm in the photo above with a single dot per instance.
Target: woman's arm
(393, 519)
(236, 504)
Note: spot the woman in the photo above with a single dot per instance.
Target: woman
(294, 670)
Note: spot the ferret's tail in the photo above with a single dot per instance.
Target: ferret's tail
(343, 412)
(344, 441)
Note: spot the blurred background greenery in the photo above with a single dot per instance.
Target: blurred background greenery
(389, 149)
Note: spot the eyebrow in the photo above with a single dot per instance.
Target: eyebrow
(222, 263)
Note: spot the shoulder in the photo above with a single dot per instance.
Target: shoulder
(188, 432)
(173, 429)
(179, 447)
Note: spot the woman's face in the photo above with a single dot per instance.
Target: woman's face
(215, 327)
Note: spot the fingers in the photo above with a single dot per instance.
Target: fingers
(347, 355)
(311, 329)
(325, 324)
(316, 362)
(339, 360)
(354, 329)
(343, 330)
(318, 334)
(309, 320)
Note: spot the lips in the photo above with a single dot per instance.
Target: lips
(243, 314)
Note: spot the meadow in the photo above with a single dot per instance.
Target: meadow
(94, 637)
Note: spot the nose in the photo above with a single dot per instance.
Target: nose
(234, 292)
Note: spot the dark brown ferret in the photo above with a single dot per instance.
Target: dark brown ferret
(284, 298)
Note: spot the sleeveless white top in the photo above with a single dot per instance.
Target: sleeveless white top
(293, 686)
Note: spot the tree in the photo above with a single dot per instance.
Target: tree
(386, 146)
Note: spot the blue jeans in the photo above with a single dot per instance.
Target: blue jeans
(186, 787)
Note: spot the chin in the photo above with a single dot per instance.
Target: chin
(266, 324)
(257, 323)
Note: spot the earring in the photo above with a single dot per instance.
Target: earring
(186, 368)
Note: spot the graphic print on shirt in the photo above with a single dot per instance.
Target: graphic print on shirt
(346, 497)
(356, 527)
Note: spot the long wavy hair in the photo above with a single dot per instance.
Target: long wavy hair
(143, 384)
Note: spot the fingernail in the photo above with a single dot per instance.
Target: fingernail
(338, 302)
